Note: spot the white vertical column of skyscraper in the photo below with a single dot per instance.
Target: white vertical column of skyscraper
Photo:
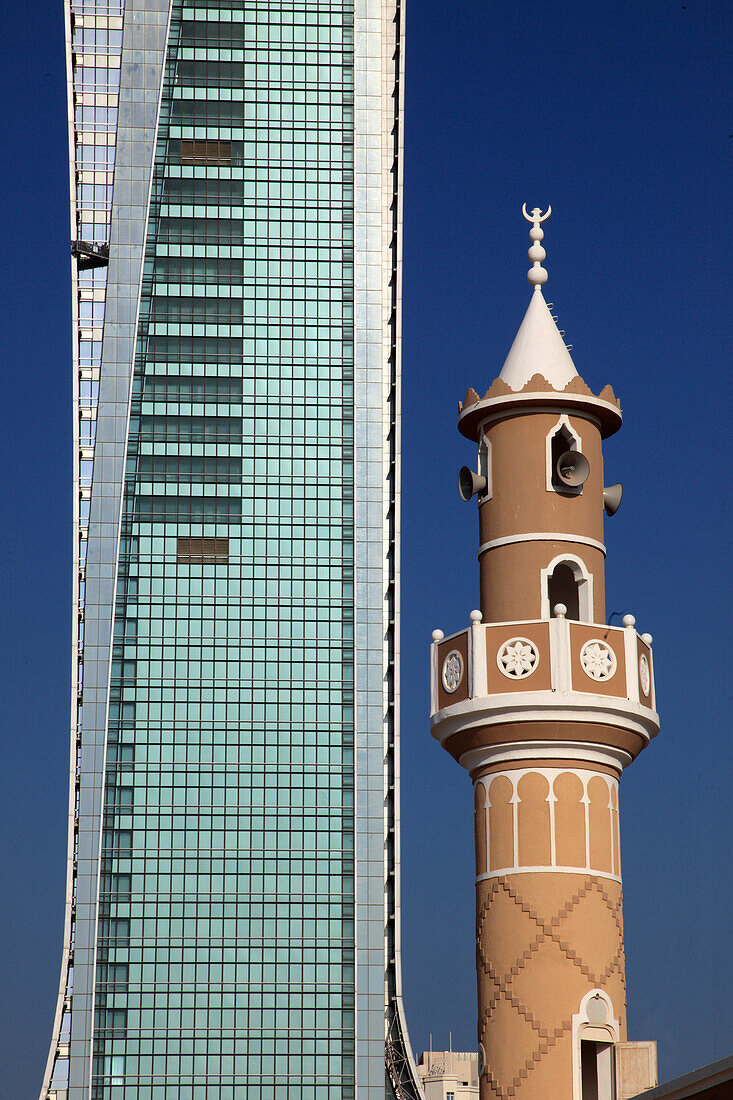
(145, 32)
(378, 157)
(93, 32)
(377, 37)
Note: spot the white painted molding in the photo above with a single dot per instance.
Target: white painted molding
(514, 801)
(575, 752)
(548, 869)
(632, 663)
(541, 536)
(551, 800)
(470, 663)
(512, 404)
(600, 1032)
(478, 686)
(434, 674)
(485, 467)
(561, 672)
(515, 776)
(545, 706)
(562, 422)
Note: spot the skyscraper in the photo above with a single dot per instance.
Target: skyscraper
(232, 921)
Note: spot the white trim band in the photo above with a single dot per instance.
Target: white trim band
(541, 536)
(545, 706)
(577, 753)
(547, 869)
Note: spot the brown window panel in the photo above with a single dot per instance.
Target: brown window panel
(206, 152)
(195, 551)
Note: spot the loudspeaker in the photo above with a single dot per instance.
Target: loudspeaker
(470, 483)
(612, 498)
(572, 468)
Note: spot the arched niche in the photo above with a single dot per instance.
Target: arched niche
(600, 825)
(567, 580)
(481, 829)
(533, 821)
(501, 823)
(570, 840)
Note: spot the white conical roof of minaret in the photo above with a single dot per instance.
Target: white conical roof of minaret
(538, 347)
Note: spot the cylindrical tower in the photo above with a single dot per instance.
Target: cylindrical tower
(544, 704)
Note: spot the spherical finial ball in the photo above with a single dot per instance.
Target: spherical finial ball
(537, 253)
(628, 620)
(647, 638)
(536, 234)
(537, 276)
(438, 635)
(559, 611)
(476, 617)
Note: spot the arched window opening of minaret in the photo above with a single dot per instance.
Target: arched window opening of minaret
(567, 581)
(561, 438)
(563, 588)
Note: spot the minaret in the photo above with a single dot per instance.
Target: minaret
(544, 704)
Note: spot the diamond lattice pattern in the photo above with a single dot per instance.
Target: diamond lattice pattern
(542, 943)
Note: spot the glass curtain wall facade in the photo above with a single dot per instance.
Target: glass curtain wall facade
(232, 924)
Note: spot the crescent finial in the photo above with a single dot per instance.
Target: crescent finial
(537, 217)
(536, 275)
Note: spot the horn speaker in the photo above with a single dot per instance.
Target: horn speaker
(572, 468)
(612, 498)
(470, 483)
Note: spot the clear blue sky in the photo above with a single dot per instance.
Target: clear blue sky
(621, 116)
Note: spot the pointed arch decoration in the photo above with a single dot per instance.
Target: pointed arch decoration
(561, 437)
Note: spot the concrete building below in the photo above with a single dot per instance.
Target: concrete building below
(449, 1075)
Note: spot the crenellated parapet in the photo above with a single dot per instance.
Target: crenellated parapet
(577, 395)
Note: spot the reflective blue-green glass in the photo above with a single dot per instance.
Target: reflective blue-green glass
(226, 952)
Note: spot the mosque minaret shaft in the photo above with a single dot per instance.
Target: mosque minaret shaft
(544, 704)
